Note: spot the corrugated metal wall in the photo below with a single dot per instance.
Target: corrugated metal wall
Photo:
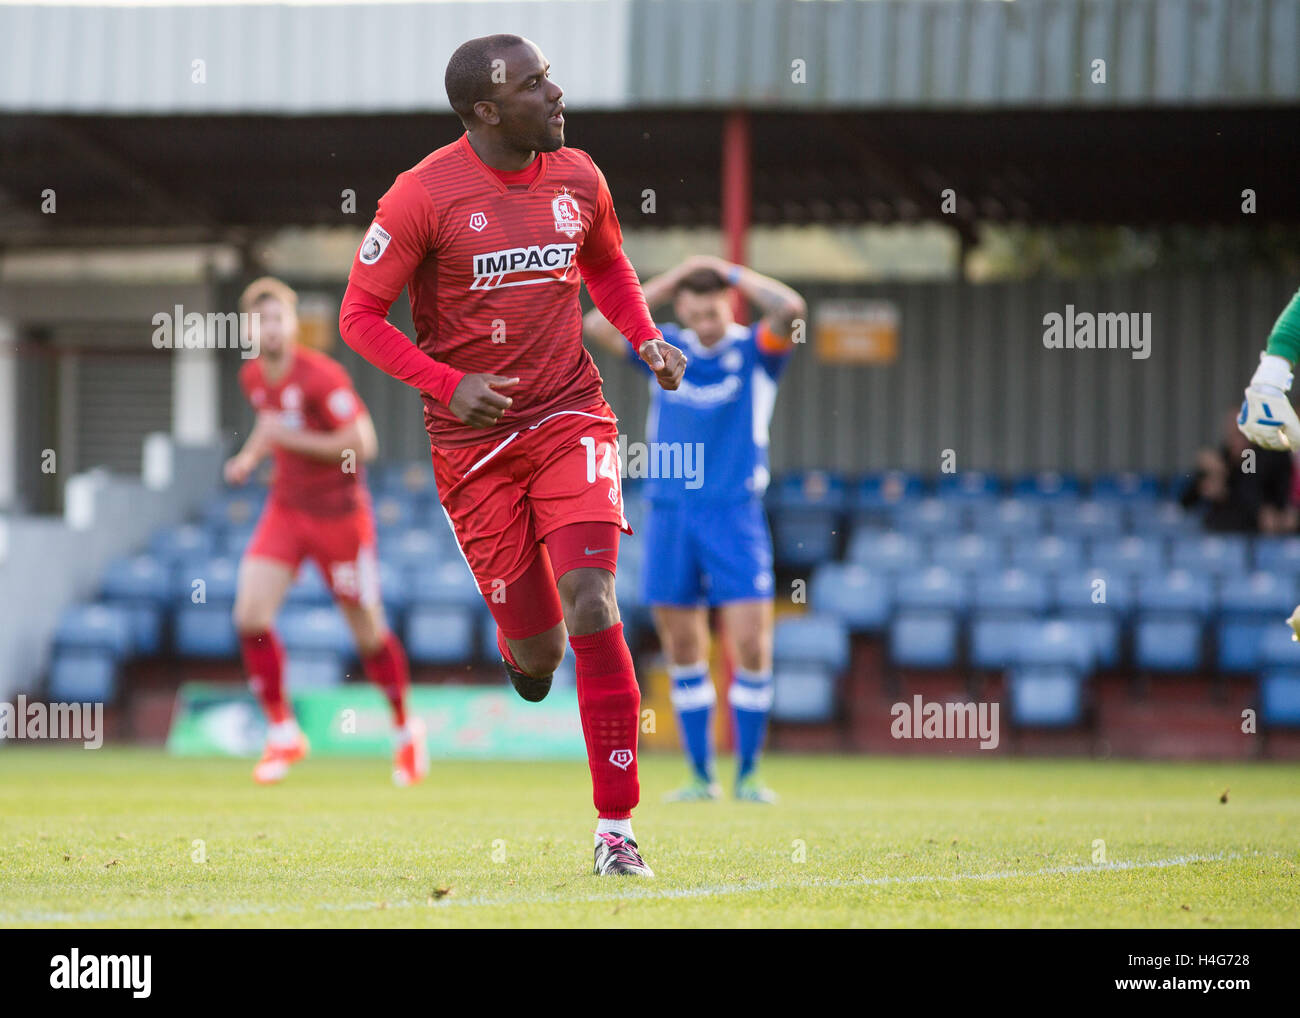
(963, 53)
(287, 58)
(973, 376)
(302, 58)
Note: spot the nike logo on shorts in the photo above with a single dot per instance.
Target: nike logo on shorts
(593, 551)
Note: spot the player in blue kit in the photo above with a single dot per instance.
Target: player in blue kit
(707, 540)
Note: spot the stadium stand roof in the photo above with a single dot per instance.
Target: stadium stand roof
(903, 98)
(941, 54)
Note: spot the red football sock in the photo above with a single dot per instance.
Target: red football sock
(264, 662)
(388, 670)
(609, 702)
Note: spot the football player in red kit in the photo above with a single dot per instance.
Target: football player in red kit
(319, 433)
(491, 236)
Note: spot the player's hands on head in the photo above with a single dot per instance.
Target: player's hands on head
(665, 360)
(477, 402)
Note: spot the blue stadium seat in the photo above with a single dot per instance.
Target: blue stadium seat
(1176, 590)
(309, 588)
(1237, 643)
(1279, 698)
(885, 551)
(805, 535)
(446, 583)
(1277, 649)
(1092, 591)
(1048, 554)
(419, 547)
(186, 541)
(313, 669)
(995, 640)
(140, 585)
(1105, 635)
(1088, 519)
(923, 640)
(803, 692)
(809, 489)
(873, 498)
(234, 509)
(1263, 594)
(146, 620)
(1057, 643)
(140, 578)
(812, 639)
(204, 630)
(1132, 555)
(1166, 519)
(1049, 696)
(928, 517)
(219, 576)
(82, 675)
(1211, 554)
(441, 634)
(1168, 643)
(393, 586)
(1046, 484)
(857, 596)
(1277, 554)
(932, 589)
(1012, 591)
(100, 627)
(970, 553)
(1017, 518)
(1126, 487)
(314, 629)
(413, 478)
(233, 541)
(970, 487)
(394, 512)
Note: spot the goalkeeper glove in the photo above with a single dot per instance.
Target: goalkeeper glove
(1266, 417)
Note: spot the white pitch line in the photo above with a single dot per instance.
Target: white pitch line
(632, 893)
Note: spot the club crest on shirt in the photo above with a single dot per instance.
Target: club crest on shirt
(565, 208)
(477, 221)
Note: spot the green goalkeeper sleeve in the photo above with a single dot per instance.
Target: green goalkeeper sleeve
(1284, 340)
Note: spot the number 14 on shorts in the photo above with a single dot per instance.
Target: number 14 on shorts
(607, 453)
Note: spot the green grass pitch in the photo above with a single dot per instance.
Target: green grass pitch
(134, 838)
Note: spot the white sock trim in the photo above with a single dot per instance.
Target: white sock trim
(623, 828)
(695, 697)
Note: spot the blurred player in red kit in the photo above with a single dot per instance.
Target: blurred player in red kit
(491, 235)
(319, 433)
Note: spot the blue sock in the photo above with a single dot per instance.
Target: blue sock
(693, 698)
(751, 699)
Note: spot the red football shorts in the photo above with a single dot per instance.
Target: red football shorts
(343, 547)
(504, 497)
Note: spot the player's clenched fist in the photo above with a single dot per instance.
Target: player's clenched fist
(665, 360)
(476, 401)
